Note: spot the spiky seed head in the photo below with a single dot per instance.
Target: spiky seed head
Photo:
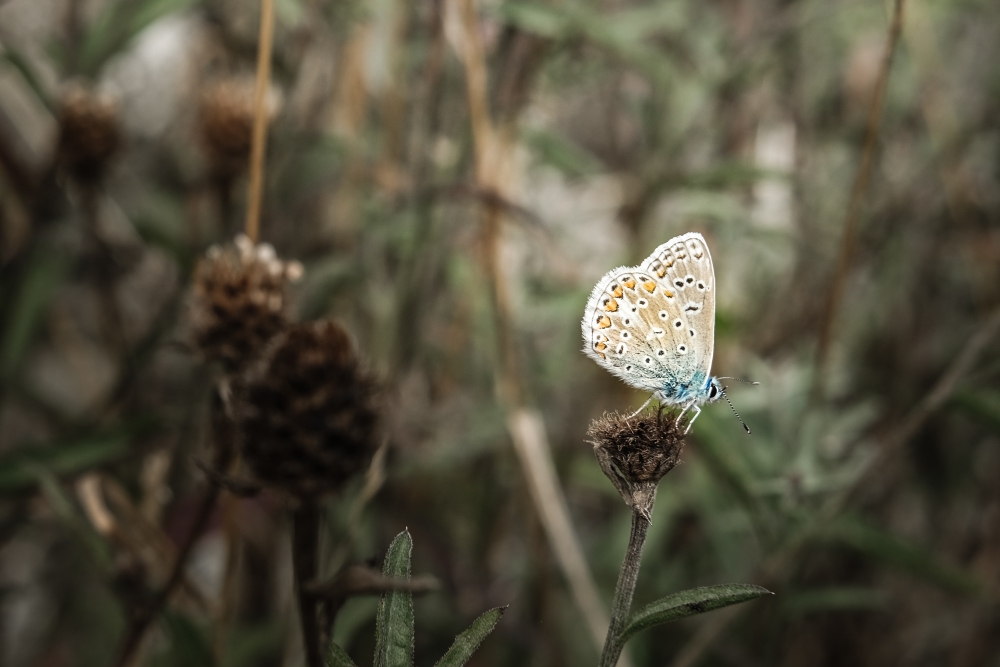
(238, 301)
(308, 412)
(636, 452)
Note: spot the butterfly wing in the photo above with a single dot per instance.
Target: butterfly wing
(653, 325)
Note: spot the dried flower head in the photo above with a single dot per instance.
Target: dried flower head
(89, 132)
(308, 412)
(239, 300)
(226, 123)
(635, 453)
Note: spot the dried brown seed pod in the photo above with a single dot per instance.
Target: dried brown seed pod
(225, 123)
(636, 452)
(239, 301)
(308, 411)
(89, 132)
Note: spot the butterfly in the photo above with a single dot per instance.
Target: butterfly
(653, 325)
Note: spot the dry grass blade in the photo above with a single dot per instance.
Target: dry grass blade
(256, 193)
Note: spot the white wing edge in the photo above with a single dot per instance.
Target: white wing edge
(680, 239)
(586, 325)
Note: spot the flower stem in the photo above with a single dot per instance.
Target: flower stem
(305, 552)
(627, 578)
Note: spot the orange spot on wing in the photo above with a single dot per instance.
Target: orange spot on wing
(611, 306)
(604, 322)
(601, 355)
(600, 347)
(649, 285)
(630, 283)
(669, 295)
(661, 272)
(618, 291)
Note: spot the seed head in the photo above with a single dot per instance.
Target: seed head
(308, 414)
(226, 114)
(89, 132)
(635, 453)
(239, 300)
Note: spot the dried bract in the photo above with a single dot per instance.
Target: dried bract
(239, 301)
(635, 453)
(309, 414)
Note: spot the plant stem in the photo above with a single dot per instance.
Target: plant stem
(305, 551)
(259, 137)
(222, 428)
(627, 577)
(862, 178)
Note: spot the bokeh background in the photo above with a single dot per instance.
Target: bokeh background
(455, 176)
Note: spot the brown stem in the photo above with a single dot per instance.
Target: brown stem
(259, 137)
(861, 181)
(223, 436)
(305, 552)
(625, 588)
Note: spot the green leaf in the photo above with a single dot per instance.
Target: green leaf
(394, 620)
(115, 28)
(901, 554)
(982, 404)
(189, 645)
(45, 271)
(536, 18)
(688, 603)
(27, 72)
(19, 469)
(63, 507)
(467, 642)
(337, 657)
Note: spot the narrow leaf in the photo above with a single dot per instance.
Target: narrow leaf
(467, 642)
(34, 293)
(337, 657)
(688, 603)
(903, 555)
(18, 469)
(394, 621)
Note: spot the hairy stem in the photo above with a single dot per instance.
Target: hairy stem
(305, 551)
(627, 577)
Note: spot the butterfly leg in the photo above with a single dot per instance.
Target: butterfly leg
(681, 415)
(697, 411)
(642, 408)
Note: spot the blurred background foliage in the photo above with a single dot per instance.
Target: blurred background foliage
(868, 496)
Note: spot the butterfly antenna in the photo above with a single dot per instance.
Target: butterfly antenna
(739, 380)
(731, 407)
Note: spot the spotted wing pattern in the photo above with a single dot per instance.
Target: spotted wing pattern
(653, 325)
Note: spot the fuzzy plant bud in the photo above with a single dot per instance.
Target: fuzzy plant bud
(635, 453)
(89, 132)
(225, 123)
(308, 413)
(238, 302)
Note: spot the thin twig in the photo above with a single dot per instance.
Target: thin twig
(625, 588)
(223, 437)
(861, 181)
(260, 118)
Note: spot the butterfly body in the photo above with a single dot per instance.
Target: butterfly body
(653, 325)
